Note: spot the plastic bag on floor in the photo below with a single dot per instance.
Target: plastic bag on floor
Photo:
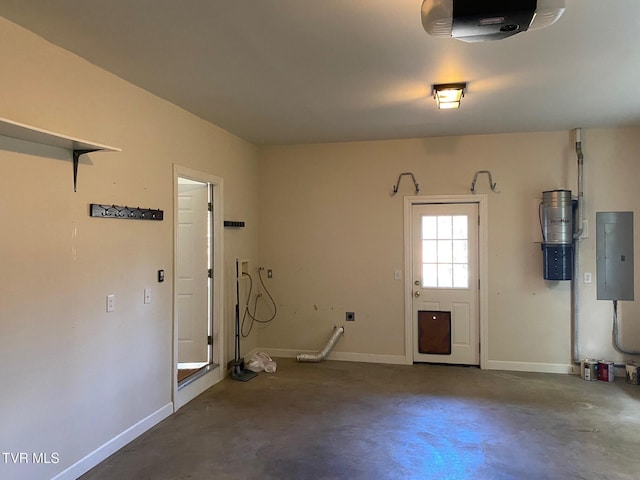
(261, 362)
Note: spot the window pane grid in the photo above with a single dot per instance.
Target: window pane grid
(445, 254)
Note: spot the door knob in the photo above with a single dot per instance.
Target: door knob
(417, 283)
(417, 293)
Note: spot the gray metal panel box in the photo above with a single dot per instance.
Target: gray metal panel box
(614, 248)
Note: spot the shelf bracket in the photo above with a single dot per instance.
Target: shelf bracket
(76, 158)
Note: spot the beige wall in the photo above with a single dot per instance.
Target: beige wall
(611, 183)
(333, 237)
(73, 377)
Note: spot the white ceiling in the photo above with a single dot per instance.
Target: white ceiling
(307, 71)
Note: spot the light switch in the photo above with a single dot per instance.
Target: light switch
(397, 275)
(147, 295)
(585, 229)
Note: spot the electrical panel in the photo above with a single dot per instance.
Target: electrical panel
(614, 251)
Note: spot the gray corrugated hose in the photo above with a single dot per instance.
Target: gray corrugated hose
(322, 354)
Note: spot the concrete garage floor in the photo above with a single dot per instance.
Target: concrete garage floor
(342, 420)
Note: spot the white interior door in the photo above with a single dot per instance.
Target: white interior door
(445, 290)
(192, 280)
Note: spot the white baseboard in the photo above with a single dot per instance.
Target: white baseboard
(529, 367)
(401, 360)
(341, 356)
(85, 464)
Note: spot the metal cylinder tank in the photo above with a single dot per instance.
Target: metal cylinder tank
(557, 217)
(556, 220)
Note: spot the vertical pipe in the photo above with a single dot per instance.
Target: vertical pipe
(576, 304)
(575, 294)
(578, 232)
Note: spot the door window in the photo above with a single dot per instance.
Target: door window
(445, 254)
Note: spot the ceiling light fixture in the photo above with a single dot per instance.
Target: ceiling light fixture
(448, 95)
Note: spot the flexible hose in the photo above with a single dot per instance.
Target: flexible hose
(322, 354)
(614, 334)
(253, 316)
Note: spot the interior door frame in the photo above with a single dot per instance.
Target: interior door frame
(215, 371)
(483, 256)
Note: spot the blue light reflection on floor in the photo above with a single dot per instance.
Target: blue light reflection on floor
(443, 447)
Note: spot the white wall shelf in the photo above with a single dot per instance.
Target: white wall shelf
(76, 146)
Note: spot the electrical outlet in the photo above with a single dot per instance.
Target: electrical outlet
(350, 317)
(111, 300)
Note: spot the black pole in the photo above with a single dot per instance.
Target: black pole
(237, 357)
(238, 372)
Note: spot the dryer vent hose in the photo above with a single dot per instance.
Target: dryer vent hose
(322, 354)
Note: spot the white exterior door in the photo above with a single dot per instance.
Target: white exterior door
(192, 267)
(445, 283)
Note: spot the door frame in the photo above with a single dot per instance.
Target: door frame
(214, 372)
(483, 255)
